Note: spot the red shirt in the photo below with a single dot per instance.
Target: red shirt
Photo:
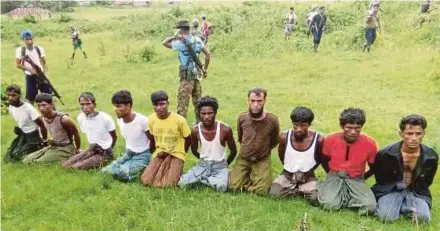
(350, 158)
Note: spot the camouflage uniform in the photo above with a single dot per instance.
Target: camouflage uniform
(188, 88)
(189, 85)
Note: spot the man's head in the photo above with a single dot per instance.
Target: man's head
(195, 23)
(256, 101)
(26, 36)
(321, 10)
(203, 16)
(159, 99)
(302, 118)
(412, 130)
(72, 27)
(351, 121)
(183, 26)
(207, 108)
(87, 102)
(291, 9)
(122, 103)
(14, 93)
(44, 103)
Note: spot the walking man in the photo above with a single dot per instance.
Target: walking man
(76, 42)
(372, 26)
(317, 26)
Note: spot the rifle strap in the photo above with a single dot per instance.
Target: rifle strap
(23, 51)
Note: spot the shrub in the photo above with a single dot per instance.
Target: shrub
(29, 19)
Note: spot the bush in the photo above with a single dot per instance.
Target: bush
(68, 9)
(147, 53)
(29, 19)
(64, 18)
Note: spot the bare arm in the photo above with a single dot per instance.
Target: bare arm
(319, 152)
(167, 41)
(43, 61)
(195, 142)
(114, 137)
(231, 145)
(152, 142)
(207, 58)
(20, 65)
(71, 130)
(43, 130)
(187, 143)
(282, 146)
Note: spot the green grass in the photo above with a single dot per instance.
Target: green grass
(400, 76)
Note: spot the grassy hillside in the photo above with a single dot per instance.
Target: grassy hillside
(400, 76)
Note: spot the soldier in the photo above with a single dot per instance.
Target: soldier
(289, 22)
(195, 30)
(189, 73)
(76, 42)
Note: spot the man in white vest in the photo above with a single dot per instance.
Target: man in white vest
(299, 151)
(213, 136)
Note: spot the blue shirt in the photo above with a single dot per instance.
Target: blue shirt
(184, 54)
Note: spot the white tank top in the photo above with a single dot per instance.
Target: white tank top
(299, 161)
(212, 150)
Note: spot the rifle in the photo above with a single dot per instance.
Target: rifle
(194, 56)
(42, 77)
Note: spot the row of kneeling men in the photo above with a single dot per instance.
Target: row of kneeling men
(157, 145)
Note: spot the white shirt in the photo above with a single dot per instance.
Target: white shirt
(97, 128)
(299, 161)
(212, 150)
(33, 55)
(134, 134)
(25, 116)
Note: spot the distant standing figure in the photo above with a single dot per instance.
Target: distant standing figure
(76, 42)
(289, 23)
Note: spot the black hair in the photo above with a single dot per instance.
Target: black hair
(207, 101)
(44, 97)
(414, 120)
(87, 95)
(258, 91)
(302, 115)
(352, 116)
(158, 96)
(291, 8)
(15, 88)
(122, 97)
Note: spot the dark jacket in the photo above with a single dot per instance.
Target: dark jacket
(388, 170)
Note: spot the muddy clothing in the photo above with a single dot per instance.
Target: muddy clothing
(340, 191)
(257, 137)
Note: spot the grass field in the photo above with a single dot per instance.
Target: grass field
(400, 76)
